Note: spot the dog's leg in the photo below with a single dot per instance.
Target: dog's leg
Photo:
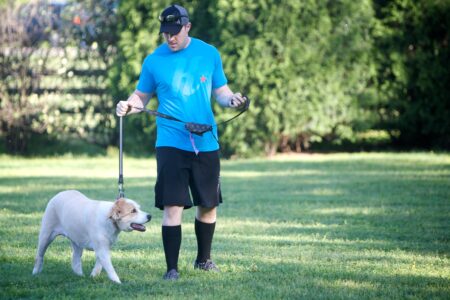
(97, 268)
(46, 236)
(76, 259)
(103, 256)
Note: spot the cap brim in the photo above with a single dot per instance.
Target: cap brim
(170, 28)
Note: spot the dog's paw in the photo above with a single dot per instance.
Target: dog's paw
(94, 274)
(37, 270)
(96, 271)
(114, 277)
(117, 280)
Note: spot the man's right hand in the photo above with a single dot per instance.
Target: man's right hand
(134, 104)
(122, 108)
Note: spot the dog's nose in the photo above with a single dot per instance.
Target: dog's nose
(149, 217)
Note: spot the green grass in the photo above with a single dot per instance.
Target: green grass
(338, 226)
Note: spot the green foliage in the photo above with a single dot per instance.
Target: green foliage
(305, 65)
(413, 74)
(316, 71)
(138, 35)
(53, 65)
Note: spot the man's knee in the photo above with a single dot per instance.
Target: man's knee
(206, 214)
(172, 215)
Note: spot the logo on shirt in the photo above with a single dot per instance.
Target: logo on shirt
(203, 78)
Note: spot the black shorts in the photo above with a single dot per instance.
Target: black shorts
(180, 171)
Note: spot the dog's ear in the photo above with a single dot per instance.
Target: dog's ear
(116, 210)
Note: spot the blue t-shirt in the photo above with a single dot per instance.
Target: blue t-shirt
(183, 82)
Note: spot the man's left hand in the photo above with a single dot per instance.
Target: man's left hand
(237, 100)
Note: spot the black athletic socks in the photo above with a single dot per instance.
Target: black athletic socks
(171, 236)
(204, 233)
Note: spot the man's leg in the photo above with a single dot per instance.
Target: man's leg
(171, 235)
(205, 223)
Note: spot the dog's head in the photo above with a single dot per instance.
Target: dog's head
(128, 216)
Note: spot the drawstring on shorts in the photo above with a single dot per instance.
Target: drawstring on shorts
(193, 144)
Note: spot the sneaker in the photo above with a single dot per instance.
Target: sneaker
(171, 275)
(208, 265)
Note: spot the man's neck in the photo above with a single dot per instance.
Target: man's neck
(188, 42)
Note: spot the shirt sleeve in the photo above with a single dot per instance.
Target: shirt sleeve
(146, 82)
(218, 78)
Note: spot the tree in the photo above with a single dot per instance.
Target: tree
(20, 74)
(307, 65)
(54, 58)
(413, 76)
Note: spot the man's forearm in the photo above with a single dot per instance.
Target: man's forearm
(137, 101)
(223, 96)
(224, 99)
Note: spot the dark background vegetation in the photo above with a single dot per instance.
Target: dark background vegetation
(323, 75)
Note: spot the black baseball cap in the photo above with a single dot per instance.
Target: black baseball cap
(173, 18)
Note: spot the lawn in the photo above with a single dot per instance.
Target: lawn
(335, 226)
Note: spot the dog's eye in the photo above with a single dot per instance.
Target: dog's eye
(134, 211)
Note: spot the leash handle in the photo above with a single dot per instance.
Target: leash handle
(244, 109)
(121, 189)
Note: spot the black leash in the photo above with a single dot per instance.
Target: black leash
(121, 189)
(195, 128)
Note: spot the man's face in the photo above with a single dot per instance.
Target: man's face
(178, 41)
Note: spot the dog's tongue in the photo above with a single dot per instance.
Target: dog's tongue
(138, 227)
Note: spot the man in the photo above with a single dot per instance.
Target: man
(183, 72)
